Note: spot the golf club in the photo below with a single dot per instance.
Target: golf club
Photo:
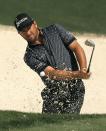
(91, 44)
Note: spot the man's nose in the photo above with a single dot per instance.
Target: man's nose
(28, 33)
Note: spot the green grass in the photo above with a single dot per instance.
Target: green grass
(18, 121)
(76, 15)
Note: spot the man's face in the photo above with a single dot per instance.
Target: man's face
(30, 33)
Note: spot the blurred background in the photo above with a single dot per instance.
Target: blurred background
(76, 15)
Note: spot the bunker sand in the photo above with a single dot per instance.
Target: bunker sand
(20, 87)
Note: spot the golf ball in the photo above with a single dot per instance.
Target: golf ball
(42, 73)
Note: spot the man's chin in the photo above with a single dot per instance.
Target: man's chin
(31, 40)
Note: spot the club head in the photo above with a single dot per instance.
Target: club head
(90, 43)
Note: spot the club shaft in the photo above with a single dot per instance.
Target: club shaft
(90, 60)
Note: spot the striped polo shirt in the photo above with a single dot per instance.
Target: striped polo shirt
(53, 52)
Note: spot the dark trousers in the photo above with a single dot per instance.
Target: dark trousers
(63, 97)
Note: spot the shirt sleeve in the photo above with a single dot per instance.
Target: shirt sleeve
(34, 63)
(65, 35)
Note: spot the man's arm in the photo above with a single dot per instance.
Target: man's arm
(81, 58)
(63, 74)
(80, 55)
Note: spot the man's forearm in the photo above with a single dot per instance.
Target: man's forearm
(81, 58)
(80, 54)
(63, 74)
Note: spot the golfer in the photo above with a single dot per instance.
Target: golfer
(54, 53)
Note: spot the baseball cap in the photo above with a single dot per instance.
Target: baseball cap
(22, 20)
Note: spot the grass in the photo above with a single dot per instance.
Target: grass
(18, 121)
(76, 15)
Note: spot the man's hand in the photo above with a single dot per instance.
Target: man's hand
(82, 74)
(85, 75)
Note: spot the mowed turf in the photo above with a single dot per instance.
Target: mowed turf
(17, 121)
(75, 15)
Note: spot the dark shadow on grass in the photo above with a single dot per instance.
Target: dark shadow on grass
(12, 119)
